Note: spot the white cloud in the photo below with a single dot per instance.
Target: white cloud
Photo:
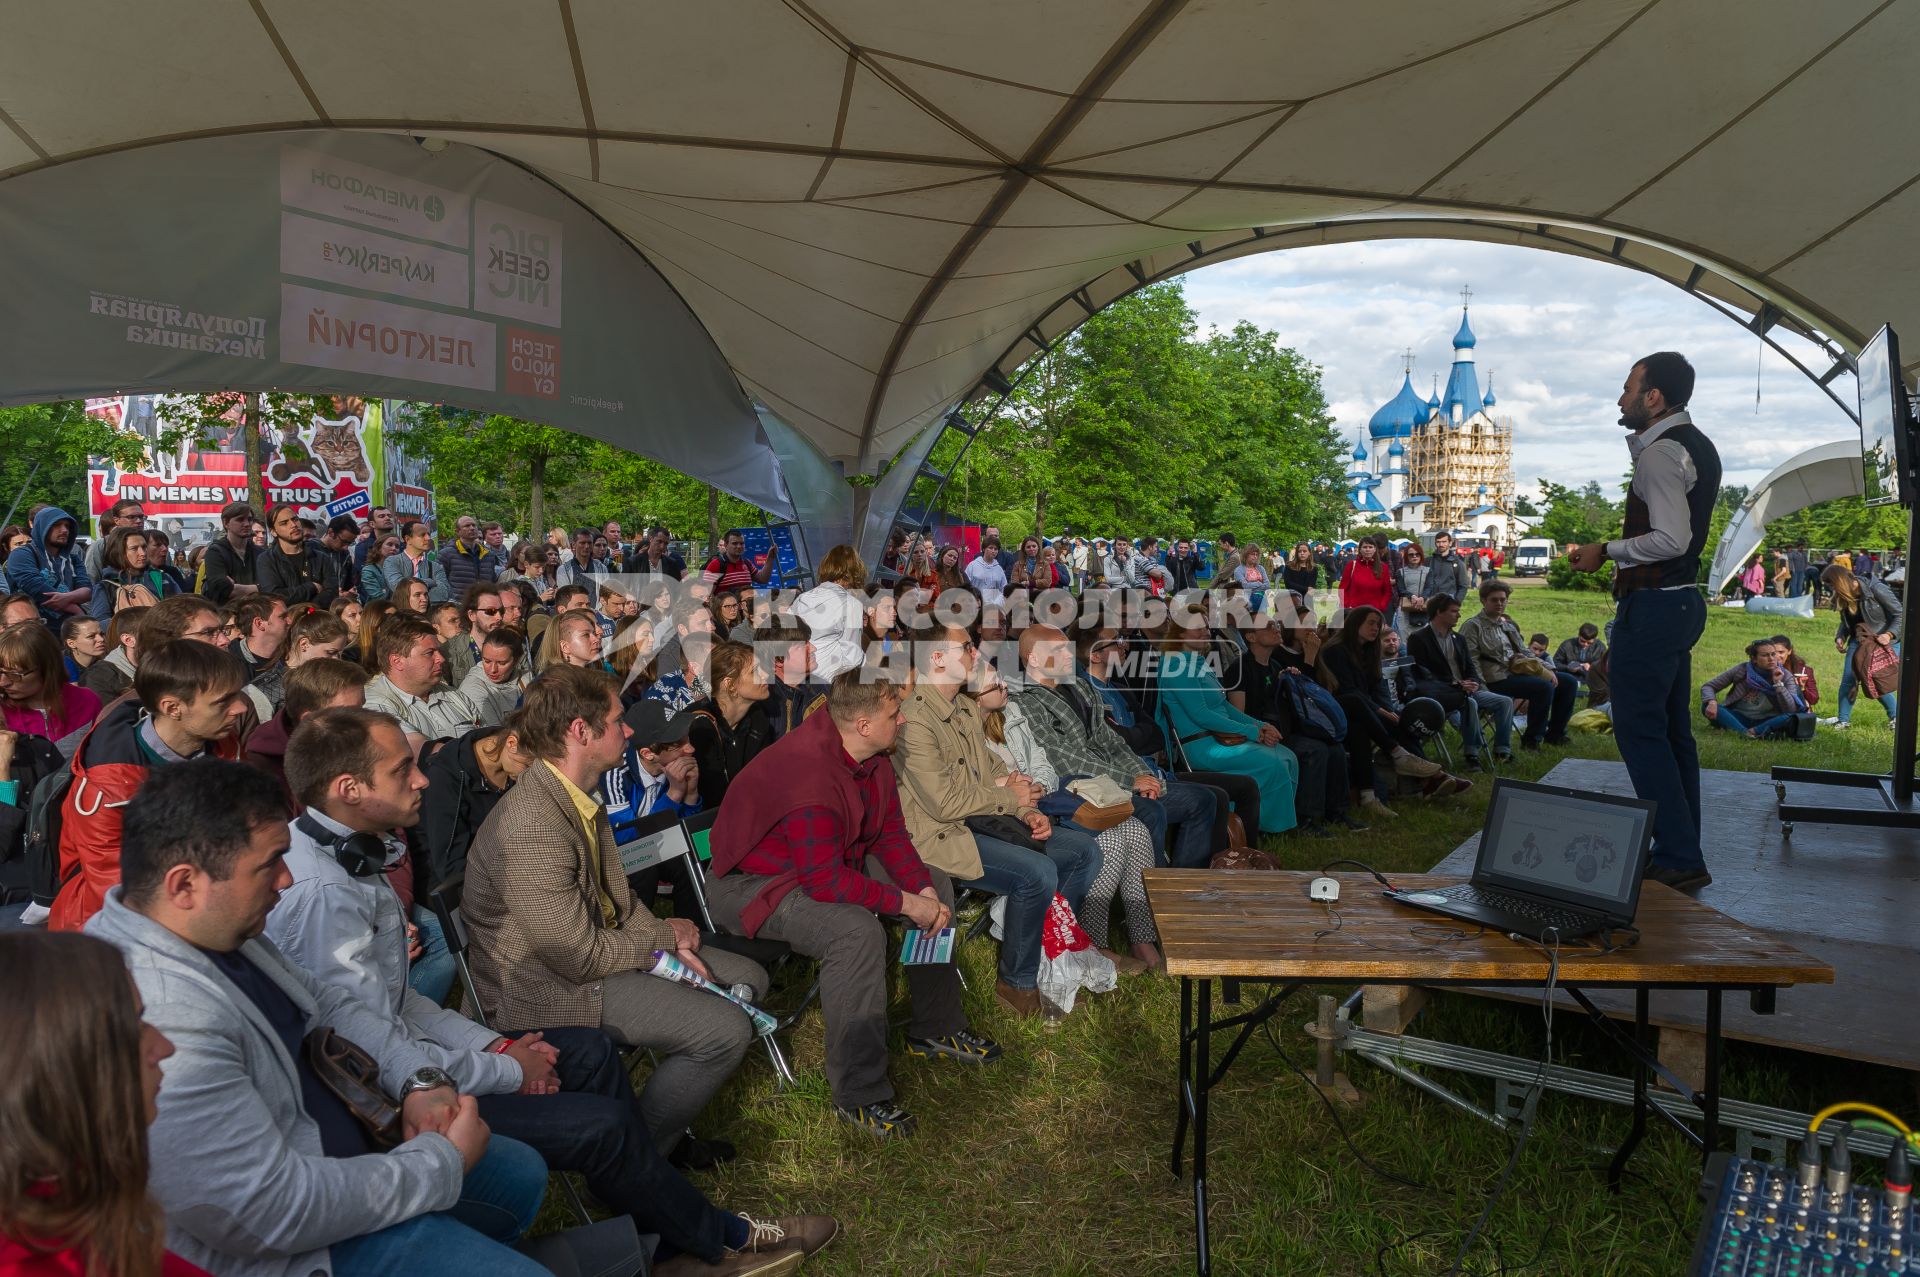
(1557, 333)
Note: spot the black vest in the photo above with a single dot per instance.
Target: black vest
(1685, 569)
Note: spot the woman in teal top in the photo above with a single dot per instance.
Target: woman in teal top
(1217, 737)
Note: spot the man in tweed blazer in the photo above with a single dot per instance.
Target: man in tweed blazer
(554, 934)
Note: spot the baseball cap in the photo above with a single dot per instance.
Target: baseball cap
(653, 724)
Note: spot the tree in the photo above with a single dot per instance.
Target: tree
(45, 449)
(1136, 424)
(1525, 508)
(1576, 516)
(279, 413)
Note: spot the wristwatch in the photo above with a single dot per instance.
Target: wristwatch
(427, 1079)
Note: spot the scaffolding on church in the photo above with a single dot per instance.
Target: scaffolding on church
(1462, 466)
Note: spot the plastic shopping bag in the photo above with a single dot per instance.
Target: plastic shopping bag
(1068, 960)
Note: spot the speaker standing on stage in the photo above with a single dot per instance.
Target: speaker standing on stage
(1659, 611)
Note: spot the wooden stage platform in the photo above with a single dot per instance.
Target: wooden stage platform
(1847, 895)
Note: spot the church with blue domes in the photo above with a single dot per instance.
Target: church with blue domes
(1435, 463)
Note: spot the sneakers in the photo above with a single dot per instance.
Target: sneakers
(1371, 804)
(1411, 764)
(1838, 725)
(1313, 829)
(1347, 820)
(695, 1154)
(803, 1233)
(1444, 786)
(882, 1118)
(1480, 764)
(965, 1046)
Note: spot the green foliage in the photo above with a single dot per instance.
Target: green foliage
(1848, 523)
(1136, 424)
(1575, 516)
(51, 442)
(531, 477)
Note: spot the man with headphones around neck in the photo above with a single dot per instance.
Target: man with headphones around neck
(563, 1090)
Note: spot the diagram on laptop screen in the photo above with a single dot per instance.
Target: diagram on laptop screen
(1566, 844)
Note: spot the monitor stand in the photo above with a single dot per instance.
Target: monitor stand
(1898, 808)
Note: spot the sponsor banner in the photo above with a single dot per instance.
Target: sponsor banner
(372, 261)
(348, 504)
(516, 264)
(533, 364)
(410, 502)
(338, 187)
(357, 334)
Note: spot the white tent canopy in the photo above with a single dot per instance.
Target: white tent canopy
(879, 209)
(1825, 472)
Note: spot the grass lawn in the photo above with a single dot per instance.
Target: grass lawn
(1055, 1159)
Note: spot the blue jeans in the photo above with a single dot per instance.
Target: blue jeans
(1549, 702)
(1188, 810)
(1889, 701)
(498, 1201)
(1469, 716)
(1029, 879)
(1733, 721)
(1652, 682)
(431, 975)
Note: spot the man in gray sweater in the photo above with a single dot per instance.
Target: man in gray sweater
(261, 1168)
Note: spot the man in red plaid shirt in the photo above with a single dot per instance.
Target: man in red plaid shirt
(811, 849)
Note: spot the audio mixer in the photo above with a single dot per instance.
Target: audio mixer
(1809, 1219)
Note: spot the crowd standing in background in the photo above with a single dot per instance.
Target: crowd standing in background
(326, 734)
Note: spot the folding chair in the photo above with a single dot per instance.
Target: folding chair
(663, 838)
(444, 899)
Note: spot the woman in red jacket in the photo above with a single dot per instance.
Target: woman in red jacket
(81, 1086)
(1367, 581)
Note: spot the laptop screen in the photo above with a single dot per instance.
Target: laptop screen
(1583, 848)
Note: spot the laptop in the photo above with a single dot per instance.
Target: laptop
(1552, 861)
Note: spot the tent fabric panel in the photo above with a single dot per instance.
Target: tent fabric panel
(880, 117)
(507, 67)
(1825, 472)
(705, 172)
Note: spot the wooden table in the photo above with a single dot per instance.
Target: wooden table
(1248, 925)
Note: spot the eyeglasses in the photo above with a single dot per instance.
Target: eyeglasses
(488, 611)
(17, 676)
(205, 633)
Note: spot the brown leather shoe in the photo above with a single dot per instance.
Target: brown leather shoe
(807, 1233)
(735, 1263)
(1018, 1001)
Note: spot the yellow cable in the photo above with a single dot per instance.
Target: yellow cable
(1851, 1107)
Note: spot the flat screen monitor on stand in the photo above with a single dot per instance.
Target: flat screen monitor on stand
(1890, 460)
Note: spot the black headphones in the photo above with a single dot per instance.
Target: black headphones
(361, 855)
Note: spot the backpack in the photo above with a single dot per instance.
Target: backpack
(45, 812)
(35, 760)
(1316, 714)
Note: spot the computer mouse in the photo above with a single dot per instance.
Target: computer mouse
(1324, 889)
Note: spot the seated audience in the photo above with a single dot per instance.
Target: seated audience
(445, 618)
(372, 617)
(466, 778)
(949, 779)
(48, 570)
(1214, 736)
(1126, 846)
(324, 682)
(561, 1090)
(679, 688)
(264, 1170)
(1278, 653)
(189, 699)
(408, 683)
(36, 699)
(16, 608)
(728, 729)
(1444, 669)
(82, 1088)
(416, 562)
(1507, 666)
(575, 639)
(1798, 667)
(493, 686)
(1102, 653)
(660, 772)
(1758, 697)
(794, 690)
(262, 622)
(112, 674)
(1583, 658)
(83, 641)
(374, 584)
(482, 610)
(292, 569)
(813, 850)
(127, 578)
(1351, 665)
(556, 938)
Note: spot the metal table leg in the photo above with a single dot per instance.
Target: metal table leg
(1183, 1085)
(1639, 1130)
(1203, 1261)
(1709, 1097)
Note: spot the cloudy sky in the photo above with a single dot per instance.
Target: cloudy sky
(1558, 334)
